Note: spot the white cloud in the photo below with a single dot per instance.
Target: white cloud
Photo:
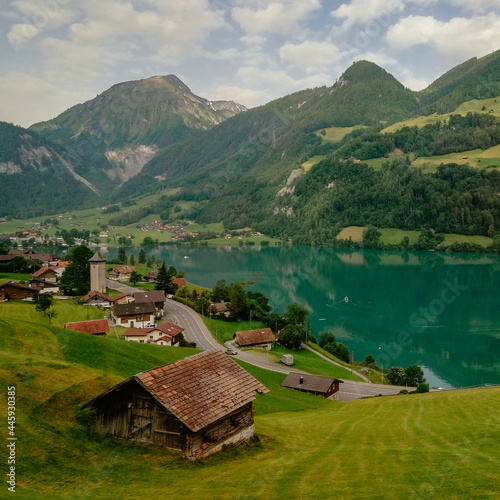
(279, 17)
(460, 37)
(40, 100)
(248, 97)
(381, 59)
(311, 56)
(364, 11)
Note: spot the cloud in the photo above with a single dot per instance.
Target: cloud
(364, 11)
(459, 37)
(279, 17)
(248, 97)
(476, 6)
(40, 99)
(311, 56)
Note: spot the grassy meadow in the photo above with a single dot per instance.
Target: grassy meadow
(336, 134)
(437, 445)
(391, 236)
(473, 106)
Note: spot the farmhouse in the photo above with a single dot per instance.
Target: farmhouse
(157, 297)
(121, 273)
(163, 334)
(16, 291)
(195, 405)
(219, 308)
(122, 298)
(261, 338)
(312, 384)
(46, 274)
(180, 282)
(151, 276)
(95, 298)
(98, 327)
(134, 314)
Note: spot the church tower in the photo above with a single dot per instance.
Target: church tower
(98, 273)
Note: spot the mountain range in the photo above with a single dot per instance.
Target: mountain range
(241, 166)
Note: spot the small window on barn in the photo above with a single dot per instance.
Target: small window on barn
(150, 336)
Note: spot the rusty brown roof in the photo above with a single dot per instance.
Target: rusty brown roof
(169, 329)
(94, 294)
(133, 309)
(201, 389)
(152, 296)
(124, 269)
(251, 337)
(92, 327)
(118, 297)
(312, 383)
(136, 332)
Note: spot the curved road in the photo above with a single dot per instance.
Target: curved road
(196, 331)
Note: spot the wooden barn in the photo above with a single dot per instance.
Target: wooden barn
(312, 384)
(195, 405)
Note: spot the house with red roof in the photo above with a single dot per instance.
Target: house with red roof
(121, 273)
(163, 334)
(261, 338)
(194, 406)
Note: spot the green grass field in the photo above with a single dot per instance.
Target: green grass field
(354, 233)
(391, 236)
(336, 134)
(225, 330)
(438, 445)
(473, 106)
(477, 158)
(68, 311)
(14, 277)
(313, 161)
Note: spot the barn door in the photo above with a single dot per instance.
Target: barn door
(167, 430)
(141, 418)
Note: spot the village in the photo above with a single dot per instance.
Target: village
(143, 407)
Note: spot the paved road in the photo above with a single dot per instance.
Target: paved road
(196, 331)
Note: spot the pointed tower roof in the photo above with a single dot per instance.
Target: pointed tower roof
(97, 257)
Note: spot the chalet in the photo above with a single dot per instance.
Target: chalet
(312, 384)
(121, 273)
(95, 298)
(122, 298)
(163, 334)
(219, 308)
(261, 338)
(151, 276)
(180, 282)
(17, 291)
(46, 274)
(98, 327)
(132, 314)
(195, 405)
(157, 297)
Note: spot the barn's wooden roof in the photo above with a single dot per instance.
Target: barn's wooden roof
(252, 337)
(201, 389)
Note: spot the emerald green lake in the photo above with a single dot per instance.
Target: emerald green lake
(436, 310)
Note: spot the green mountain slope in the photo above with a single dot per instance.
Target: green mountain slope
(473, 79)
(38, 176)
(442, 444)
(120, 130)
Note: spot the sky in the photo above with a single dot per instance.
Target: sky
(58, 53)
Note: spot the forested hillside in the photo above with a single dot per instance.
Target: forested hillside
(38, 176)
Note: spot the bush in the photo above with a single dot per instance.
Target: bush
(422, 388)
(403, 391)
